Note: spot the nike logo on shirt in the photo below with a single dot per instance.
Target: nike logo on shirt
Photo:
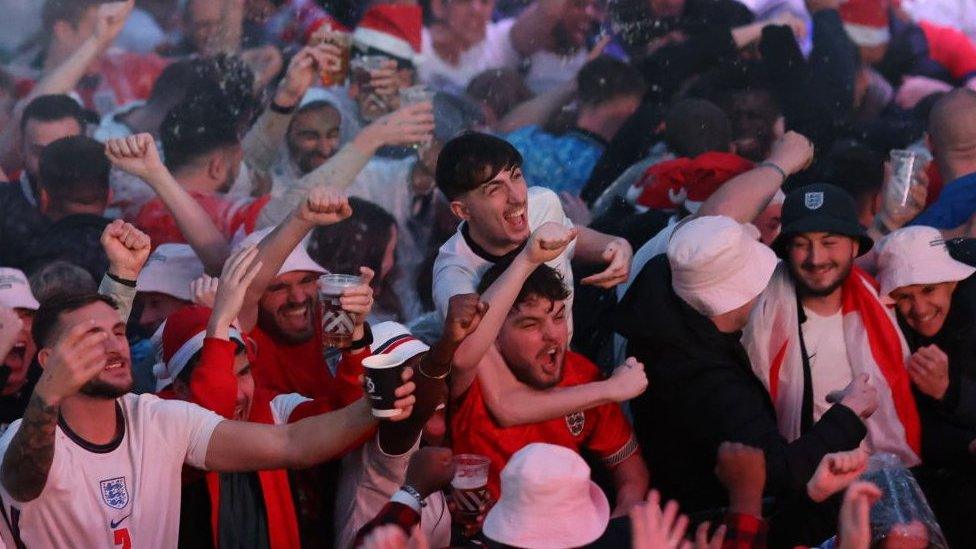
(115, 524)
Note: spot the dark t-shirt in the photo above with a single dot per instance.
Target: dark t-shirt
(20, 221)
(243, 522)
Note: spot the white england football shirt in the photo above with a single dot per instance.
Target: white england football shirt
(124, 494)
(459, 267)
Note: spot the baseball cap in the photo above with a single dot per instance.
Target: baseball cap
(15, 291)
(820, 208)
(170, 270)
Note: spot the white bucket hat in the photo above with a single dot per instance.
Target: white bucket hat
(916, 255)
(298, 259)
(15, 291)
(393, 338)
(548, 501)
(718, 265)
(170, 270)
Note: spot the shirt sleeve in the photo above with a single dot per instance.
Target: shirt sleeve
(282, 407)
(122, 294)
(450, 280)
(193, 427)
(544, 206)
(499, 38)
(613, 440)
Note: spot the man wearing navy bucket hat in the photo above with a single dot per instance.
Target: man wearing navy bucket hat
(819, 326)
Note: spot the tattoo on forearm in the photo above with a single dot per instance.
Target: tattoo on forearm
(28, 459)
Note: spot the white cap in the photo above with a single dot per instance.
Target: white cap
(393, 338)
(548, 501)
(170, 270)
(298, 259)
(718, 265)
(916, 255)
(15, 291)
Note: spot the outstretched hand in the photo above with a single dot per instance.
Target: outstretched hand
(127, 249)
(836, 472)
(654, 528)
(110, 20)
(239, 271)
(618, 255)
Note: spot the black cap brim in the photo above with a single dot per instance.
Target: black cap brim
(823, 224)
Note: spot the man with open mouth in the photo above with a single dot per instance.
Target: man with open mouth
(17, 349)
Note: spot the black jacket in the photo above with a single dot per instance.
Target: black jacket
(76, 239)
(949, 425)
(703, 392)
(20, 221)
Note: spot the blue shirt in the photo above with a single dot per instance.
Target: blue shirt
(955, 205)
(557, 162)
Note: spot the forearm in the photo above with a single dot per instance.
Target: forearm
(500, 296)
(318, 439)
(630, 482)
(534, 26)
(262, 143)
(745, 196)
(192, 221)
(396, 438)
(338, 172)
(231, 26)
(512, 403)
(591, 244)
(747, 34)
(28, 459)
(537, 110)
(122, 294)
(65, 77)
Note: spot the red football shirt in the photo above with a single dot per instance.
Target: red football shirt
(229, 214)
(603, 430)
(284, 367)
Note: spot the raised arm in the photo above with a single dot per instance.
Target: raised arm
(545, 244)
(597, 248)
(262, 142)
(513, 403)
(411, 124)
(127, 249)
(533, 28)
(745, 196)
(137, 155)
(320, 207)
(75, 359)
(538, 109)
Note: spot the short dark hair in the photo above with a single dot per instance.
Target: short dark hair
(75, 170)
(49, 108)
(471, 160)
(856, 168)
(695, 126)
(71, 11)
(604, 79)
(48, 315)
(544, 282)
(195, 128)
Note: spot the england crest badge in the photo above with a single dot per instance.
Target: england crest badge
(114, 492)
(576, 421)
(813, 201)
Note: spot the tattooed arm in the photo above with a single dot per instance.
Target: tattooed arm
(77, 357)
(28, 459)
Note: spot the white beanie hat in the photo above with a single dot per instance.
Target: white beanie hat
(916, 255)
(718, 265)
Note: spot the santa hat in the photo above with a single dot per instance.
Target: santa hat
(182, 339)
(328, 22)
(688, 182)
(866, 21)
(391, 29)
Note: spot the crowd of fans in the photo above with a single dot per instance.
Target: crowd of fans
(650, 273)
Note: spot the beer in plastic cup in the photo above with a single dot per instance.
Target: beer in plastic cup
(381, 375)
(332, 76)
(905, 168)
(469, 489)
(337, 325)
(412, 96)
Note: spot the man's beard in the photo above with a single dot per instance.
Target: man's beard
(99, 389)
(268, 322)
(806, 291)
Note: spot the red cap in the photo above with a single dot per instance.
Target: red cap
(391, 28)
(688, 181)
(866, 21)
